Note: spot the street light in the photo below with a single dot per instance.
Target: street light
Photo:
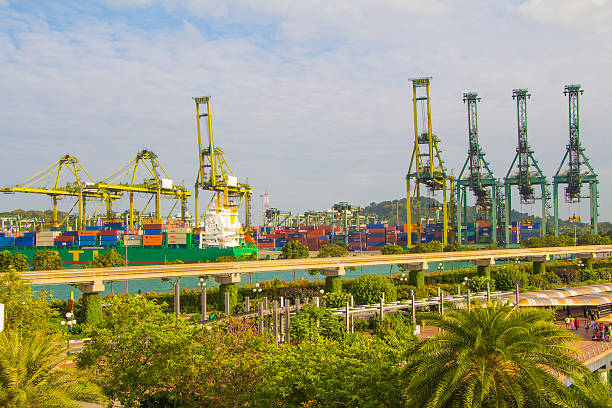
(465, 280)
(257, 290)
(70, 321)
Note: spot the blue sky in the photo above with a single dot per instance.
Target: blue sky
(311, 99)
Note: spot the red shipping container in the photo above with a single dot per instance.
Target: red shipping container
(375, 239)
(108, 233)
(65, 239)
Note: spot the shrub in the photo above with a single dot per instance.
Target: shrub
(337, 299)
(508, 276)
(369, 289)
(294, 250)
(433, 246)
(588, 274)
(567, 275)
(604, 274)
(479, 284)
(312, 322)
(544, 280)
(294, 292)
(392, 249)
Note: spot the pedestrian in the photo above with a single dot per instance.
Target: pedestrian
(586, 326)
(577, 323)
(567, 322)
(571, 322)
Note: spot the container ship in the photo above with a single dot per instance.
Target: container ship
(157, 242)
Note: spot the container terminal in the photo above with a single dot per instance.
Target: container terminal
(148, 237)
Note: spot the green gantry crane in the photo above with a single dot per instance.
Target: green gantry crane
(579, 170)
(480, 179)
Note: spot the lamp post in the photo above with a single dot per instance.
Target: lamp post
(202, 286)
(257, 290)
(70, 321)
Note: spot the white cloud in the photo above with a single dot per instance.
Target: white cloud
(584, 15)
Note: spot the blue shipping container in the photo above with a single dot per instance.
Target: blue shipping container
(153, 232)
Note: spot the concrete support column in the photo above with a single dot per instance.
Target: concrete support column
(333, 279)
(228, 284)
(416, 274)
(483, 266)
(92, 302)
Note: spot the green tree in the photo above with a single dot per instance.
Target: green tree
(369, 288)
(491, 357)
(392, 249)
(46, 260)
(508, 276)
(33, 374)
(294, 250)
(142, 353)
(313, 322)
(433, 246)
(479, 283)
(588, 392)
(13, 261)
(26, 311)
(110, 259)
(359, 371)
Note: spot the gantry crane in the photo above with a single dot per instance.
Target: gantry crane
(426, 165)
(344, 211)
(215, 174)
(82, 187)
(276, 218)
(576, 174)
(524, 170)
(480, 179)
(156, 183)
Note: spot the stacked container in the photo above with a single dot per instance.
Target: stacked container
(153, 231)
(108, 238)
(87, 238)
(177, 236)
(47, 238)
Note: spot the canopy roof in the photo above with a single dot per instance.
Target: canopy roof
(593, 295)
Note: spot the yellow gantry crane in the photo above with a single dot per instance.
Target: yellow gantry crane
(215, 174)
(156, 185)
(426, 165)
(82, 187)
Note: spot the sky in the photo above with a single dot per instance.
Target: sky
(311, 100)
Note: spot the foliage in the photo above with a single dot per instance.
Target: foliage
(395, 329)
(588, 392)
(568, 276)
(428, 291)
(25, 310)
(337, 299)
(139, 350)
(33, 373)
(593, 239)
(605, 274)
(333, 284)
(13, 261)
(508, 276)
(232, 289)
(479, 284)
(392, 249)
(433, 246)
(588, 274)
(454, 247)
(548, 241)
(544, 280)
(91, 309)
(369, 288)
(47, 259)
(495, 356)
(293, 292)
(358, 371)
(313, 322)
(332, 251)
(110, 259)
(294, 250)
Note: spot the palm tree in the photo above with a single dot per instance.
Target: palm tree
(496, 356)
(588, 392)
(33, 373)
